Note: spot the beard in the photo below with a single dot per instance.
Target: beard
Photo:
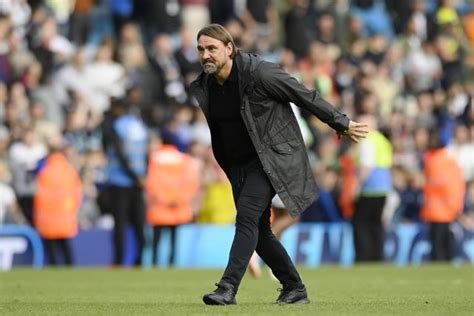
(210, 68)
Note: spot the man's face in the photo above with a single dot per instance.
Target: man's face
(213, 54)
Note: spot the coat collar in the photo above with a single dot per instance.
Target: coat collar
(246, 65)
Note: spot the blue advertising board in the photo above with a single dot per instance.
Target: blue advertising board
(207, 246)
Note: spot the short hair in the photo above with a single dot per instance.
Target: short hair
(436, 140)
(220, 33)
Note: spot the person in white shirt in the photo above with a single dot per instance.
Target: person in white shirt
(23, 159)
(8, 204)
(462, 149)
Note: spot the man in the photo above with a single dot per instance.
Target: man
(125, 140)
(374, 160)
(257, 142)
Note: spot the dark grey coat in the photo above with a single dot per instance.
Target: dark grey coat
(266, 91)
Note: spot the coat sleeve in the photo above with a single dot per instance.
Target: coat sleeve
(282, 87)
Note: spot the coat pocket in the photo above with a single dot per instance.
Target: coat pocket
(287, 148)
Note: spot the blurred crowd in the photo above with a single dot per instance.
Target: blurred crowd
(408, 64)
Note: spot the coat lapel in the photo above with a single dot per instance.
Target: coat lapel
(199, 88)
(243, 62)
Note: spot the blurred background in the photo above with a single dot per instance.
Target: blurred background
(105, 157)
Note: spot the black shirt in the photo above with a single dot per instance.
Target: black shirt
(226, 121)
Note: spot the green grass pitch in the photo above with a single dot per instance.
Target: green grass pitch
(360, 290)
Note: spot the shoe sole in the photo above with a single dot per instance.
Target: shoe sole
(209, 301)
(299, 302)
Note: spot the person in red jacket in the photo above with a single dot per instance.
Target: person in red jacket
(443, 197)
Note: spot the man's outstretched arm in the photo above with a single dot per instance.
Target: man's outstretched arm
(285, 88)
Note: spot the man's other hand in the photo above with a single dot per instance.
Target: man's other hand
(355, 132)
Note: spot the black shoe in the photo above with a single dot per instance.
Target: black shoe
(292, 295)
(223, 295)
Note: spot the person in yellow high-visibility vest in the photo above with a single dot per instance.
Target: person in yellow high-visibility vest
(374, 160)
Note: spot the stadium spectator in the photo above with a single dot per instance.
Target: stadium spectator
(462, 149)
(187, 57)
(221, 11)
(23, 159)
(158, 16)
(72, 77)
(165, 64)
(106, 77)
(409, 187)
(143, 82)
(374, 16)
(42, 128)
(194, 13)
(9, 209)
(423, 68)
(49, 46)
(297, 35)
(425, 22)
(325, 31)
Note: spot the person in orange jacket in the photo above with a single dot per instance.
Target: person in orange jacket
(172, 186)
(57, 202)
(443, 191)
(349, 187)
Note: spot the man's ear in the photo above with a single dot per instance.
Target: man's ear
(229, 49)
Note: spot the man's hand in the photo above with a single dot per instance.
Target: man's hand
(355, 132)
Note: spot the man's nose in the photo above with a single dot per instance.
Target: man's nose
(205, 54)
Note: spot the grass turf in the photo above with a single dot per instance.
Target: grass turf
(361, 290)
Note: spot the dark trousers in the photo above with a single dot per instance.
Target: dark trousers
(368, 230)
(127, 205)
(157, 230)
(252, 196)
(52, 245)
(26, 206)
(442, 242)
